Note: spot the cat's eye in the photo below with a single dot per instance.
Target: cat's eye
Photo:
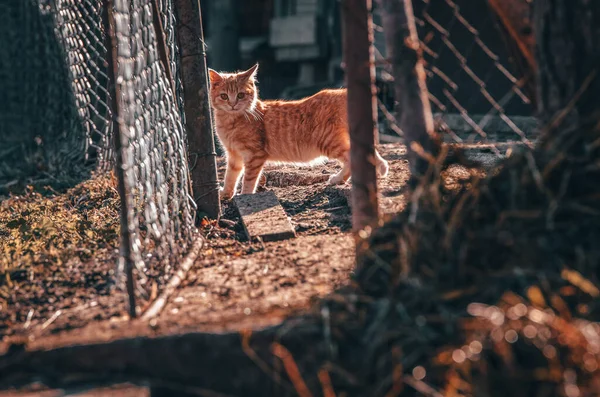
(224, 97)
(241, 95)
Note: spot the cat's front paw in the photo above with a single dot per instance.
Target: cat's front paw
(225, 194)
(336, 179)
(263, 180)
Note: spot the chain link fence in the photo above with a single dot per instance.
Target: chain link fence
(81, 29)
(478, 92)
(80, 99)
(42, 137)
(160, 210)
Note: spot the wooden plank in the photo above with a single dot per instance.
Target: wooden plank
(497, 130)
(263, 216)
(493, 124)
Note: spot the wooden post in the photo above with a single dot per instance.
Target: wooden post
(567, 35)
(568, 81)
(413, 107)
(359, 59)
(198, 114)
(126, 259)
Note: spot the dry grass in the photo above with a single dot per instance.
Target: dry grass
(508, 260)
(55, 247)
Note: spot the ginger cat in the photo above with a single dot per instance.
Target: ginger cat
(254, 131)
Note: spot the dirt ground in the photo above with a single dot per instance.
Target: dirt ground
(54, 287)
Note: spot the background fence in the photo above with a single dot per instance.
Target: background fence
(48, 90)
(478, 90)
(81, 100)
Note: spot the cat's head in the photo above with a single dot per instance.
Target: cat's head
(234, 92)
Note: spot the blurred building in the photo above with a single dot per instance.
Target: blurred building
(298, 44)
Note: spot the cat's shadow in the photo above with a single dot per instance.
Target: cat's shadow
(321, 209)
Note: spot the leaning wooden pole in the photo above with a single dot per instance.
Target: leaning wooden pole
(515, 16)
(200, 133)
(359, 59)
(413, 109)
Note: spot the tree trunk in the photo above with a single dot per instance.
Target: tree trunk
(568, 55)
(359, 59)
(413, 109)
(201, 143)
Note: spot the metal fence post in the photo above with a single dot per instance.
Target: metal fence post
(198, 114)
(359, 59)
(413, 107)
(126, 259)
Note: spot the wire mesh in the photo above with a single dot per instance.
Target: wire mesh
(160, 209)
(50, 75)
(83, 34)
(477, 94)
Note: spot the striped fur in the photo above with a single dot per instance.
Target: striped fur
(254, 131)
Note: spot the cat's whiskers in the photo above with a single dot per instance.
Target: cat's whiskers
(259, 113)
(247, 113)
(255, 113)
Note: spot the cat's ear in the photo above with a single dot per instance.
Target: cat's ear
(250, 74)
(214, 76)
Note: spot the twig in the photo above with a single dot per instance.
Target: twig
(28, 321)
(325, 380)
(251, 353)
(51, 319)
(560, 116)
(158, 305)
(421, 386)
(292, 369)
(390, 118)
